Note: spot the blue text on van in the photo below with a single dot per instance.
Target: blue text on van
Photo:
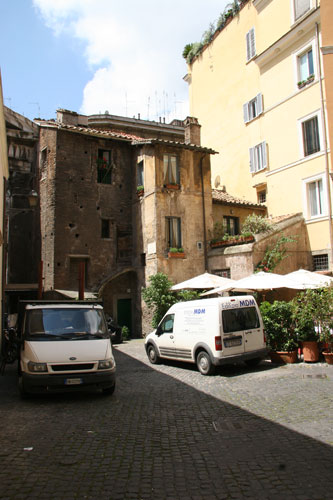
(200, 311)
(244, 303)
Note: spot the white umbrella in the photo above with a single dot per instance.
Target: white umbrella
(309, 279)
(260, 281)
(203, 281)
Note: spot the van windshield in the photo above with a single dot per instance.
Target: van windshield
(244, 318)
(66, 323)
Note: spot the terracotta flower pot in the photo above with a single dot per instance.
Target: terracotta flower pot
(328, 357)
(283, 357)
(176, 255)
(310, 351)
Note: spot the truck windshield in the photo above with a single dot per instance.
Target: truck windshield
(244, 318)
(64, 323)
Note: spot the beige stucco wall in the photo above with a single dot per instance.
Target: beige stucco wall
(221, 82)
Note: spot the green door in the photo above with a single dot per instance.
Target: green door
(124, 313)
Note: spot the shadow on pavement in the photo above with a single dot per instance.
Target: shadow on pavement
(155, 438)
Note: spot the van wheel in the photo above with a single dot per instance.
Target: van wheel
(152, 355)
(204, 364)
(252, 363)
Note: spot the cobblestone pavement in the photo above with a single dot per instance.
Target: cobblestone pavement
(170, 433)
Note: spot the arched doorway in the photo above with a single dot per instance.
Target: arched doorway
(120, 300)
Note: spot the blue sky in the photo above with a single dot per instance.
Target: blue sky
(91, 56)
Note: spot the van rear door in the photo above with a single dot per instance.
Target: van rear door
(233, 333)
(241, 330)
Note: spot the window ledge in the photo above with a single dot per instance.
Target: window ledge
(320, 218)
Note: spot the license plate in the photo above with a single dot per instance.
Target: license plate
(73, 381)
(232, 342)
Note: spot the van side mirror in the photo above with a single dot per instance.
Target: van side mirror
(159, 330)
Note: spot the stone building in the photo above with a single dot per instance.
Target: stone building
(114, 202)
(22, 228)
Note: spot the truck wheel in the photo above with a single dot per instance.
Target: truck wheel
(108, 391)
(204, 364)
(152, 355)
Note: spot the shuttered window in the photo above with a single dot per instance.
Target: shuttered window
(258, 157)
(301, 7)
(250, 44)
(253, 108)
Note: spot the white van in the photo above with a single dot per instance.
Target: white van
(210, 332)
(64, 346)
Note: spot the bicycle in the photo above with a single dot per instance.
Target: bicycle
(10, 348)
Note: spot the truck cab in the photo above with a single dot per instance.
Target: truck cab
(64, 346)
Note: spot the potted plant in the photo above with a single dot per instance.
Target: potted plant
(140, 190)
(280, 335)
(172, 185)
(305, 306)
(324, 317)
(176, 253)
(301, 84)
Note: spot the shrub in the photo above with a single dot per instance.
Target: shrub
(278, 323)
(256, 224)
(313, 315)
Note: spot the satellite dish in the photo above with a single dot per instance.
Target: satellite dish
(217, 181)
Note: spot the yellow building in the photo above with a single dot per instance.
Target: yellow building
(258, 88)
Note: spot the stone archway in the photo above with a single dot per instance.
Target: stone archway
(121, 301)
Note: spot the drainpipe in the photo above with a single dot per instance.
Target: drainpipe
(327, 171)
(203, 213)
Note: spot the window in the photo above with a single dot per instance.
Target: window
(320, 262)
(225, 273)
(262, 196)
(310, 134)
(305, 65)
(314, 195)
(250, 44)
(140, 181)
(105, 228)
(104, 166)
(301, 7)
(167, 324)
(253, 108)
(258, 157)
(231, 225)
(170, 169)
(173, 232)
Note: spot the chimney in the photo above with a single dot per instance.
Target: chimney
(192, 131)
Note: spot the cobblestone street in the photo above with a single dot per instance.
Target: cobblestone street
(170, 433)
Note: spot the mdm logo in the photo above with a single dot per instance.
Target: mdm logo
(244, 303)
(200, 311)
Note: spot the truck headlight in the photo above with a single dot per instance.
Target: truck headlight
(37, 367)
(106, 364)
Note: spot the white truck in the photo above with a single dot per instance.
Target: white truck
(210, 332)
(64, 346)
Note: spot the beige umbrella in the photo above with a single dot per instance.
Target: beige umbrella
(204, 282)
(309, 279)
(259, 282)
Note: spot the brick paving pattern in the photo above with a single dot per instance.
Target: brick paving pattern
(170, 433)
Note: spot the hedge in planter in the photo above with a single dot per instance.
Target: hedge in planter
(312, 313)
(280, 335)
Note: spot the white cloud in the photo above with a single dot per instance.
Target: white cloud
(135, 48)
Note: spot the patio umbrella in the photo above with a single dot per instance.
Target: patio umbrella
(309, 279)
(259, 282)
(203, 282)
